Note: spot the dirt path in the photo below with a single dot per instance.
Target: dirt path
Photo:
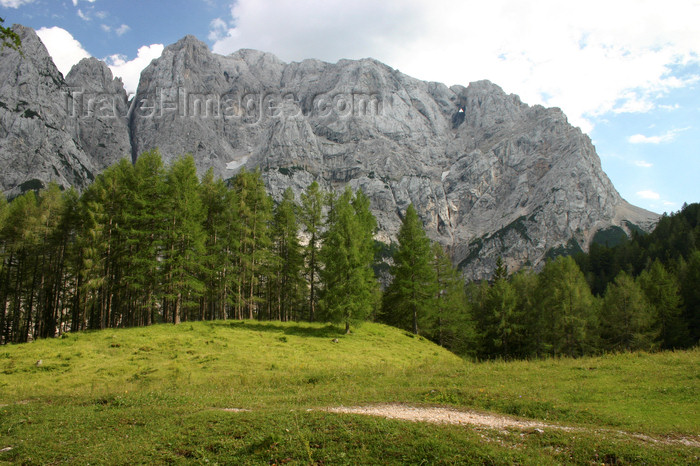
(493, 421)
(445, 416)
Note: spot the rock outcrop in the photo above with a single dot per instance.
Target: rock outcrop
(37, 142)
(100, 109)
(489, 175)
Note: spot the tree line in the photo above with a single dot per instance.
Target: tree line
(146, 244)
(639, 295)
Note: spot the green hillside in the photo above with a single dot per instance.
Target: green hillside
(255, 392)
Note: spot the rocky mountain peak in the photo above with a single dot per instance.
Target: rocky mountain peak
(489, 175)
(36, 130)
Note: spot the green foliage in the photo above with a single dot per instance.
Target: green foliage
(663, 294)
(351, 291)
(287, 281)
(9, 38)
(93, 400)
(411, 295)
(627, 317)
(311, 217)
(569, 307)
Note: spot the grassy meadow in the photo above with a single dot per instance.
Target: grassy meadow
(254, 392)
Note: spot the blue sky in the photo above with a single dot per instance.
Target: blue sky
(626, 72)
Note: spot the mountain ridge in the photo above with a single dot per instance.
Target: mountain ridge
(490, 175)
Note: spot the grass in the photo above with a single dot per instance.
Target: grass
(155, 395)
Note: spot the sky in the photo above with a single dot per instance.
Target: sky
(627, 72)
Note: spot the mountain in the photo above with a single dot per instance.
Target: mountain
(489, 175)
(37, 141)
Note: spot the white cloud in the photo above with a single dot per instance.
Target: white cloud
(666, 137)
(643, 164)
(218, 29)
(63, 48)
(130, 71)
(123, 29)
(105, 28)
(82, 15)
(588, 58)
(14, 3)
(648, 194)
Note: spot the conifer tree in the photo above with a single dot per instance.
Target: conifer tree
(221, 243)
(627, 316)
(351, 291)
(505, 323)
(255, 213)
(663, 293)
(311, 218)
(184, 238)
(449, 320)
(411, 295)
(568, 307)
(289, 260)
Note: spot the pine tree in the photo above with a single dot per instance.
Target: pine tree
(628, 321)
(288, 281)
(221, 231)
(255, 213)
(663, 293)
(351, 291)
(147, 220)
(505, 326)
(568, 307)
(184, 238)
(411, 294)
(311, 218)
(533, 338)
(449, 320)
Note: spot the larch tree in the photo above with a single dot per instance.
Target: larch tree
(569, 308)
(184, 244)
(411, 295)
(288, 279)
(311, 216)
(351, 290)
(627, 316)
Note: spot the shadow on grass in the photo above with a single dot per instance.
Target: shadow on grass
(327, 331)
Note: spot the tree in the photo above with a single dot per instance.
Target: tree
(568, 306)
(690, 277)
(255, 213)
(505, 324)
(663, 293)
(411, 294)
(532, 339)
(449, 321)
(221, 244)
(311, 218)
(184, 244)
(146, 225)
(9, 38)
(289, 260)
(627, 316)
(351, 290)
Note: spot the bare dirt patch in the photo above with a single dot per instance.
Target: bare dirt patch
(439, 415)
(235, 410)
(445, 416)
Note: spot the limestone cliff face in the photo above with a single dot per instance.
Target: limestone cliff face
(489, 175)
(36, 132)
(100, 109)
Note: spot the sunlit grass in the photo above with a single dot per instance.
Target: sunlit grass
(164, 387)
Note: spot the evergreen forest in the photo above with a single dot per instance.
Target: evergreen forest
(149, 244)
